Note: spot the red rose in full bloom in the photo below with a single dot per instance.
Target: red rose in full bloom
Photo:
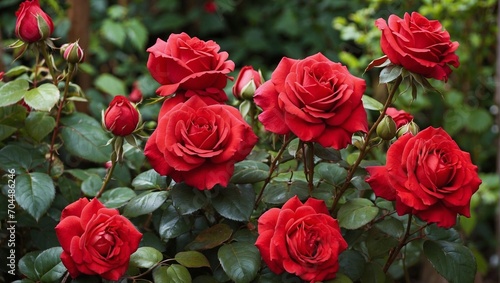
(96, 240)
(419, 45)
(190, 65)
(198, 143)
(401, 117)
(32, 23)
(121, 118)
(247, 82)
(428, 176)
(314, 98)
(302, 239)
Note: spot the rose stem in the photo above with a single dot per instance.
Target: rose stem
(71, 70)
(108, 177)
(402, 242)
(43, 48)
(363, 151)
(309, 164)
(273, 166)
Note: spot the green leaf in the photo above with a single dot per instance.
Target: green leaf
(211, 237)
(48, 265)
(114, 32)
(373, 273)
(249, 172)
(110, 84)
(352, 263)
(13, 91)
(39, 125)
(340, 278)
(43, 97)
(6, 131)
(137, 34)
(453, 261)
(241, 261)
(160, 275)
(15, 157)
(117, 197)
(84, 137)
(479, 120)
(92, 185)
(234, 202)
(187, 199)
(192, 259)
(391, 226)
(144, 203)
(356, 213)
(332, 173)
(280, 192)
(390, 73)
(172, 224)
(35, 193)
(145, 257)
(26, 265)
(177, 273)
(371, 103)
(16, 71)
(149, 180)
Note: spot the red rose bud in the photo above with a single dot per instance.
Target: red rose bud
(247, 82)
(386, 129)
(72, 52)
(32, 23)
(121, 118)
(136, 94)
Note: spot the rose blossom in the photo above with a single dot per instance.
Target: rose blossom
(247, 82)
(121, 118)
(96, 240)
(32, 23)
(314, 98)
(190, 65)
(401, 117)
(419, 45)
(198, 143)
(302, 239)
(428, 176)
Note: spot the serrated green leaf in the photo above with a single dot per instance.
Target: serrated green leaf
(137, 33)
(92, 185)
(371, 103)
(249, 172)
(187, 199)
(241, 261)
(117, 197)
(110, 84)
(84, 137)
(13, 115)
(144, 203)
(26, 265)
(15, 157)
(211, 237)
(48, 265)
(453, 261)
(13, 91)
(113, 32)
(235, 202)
(149, 180)
(356, 213)
(43, 97)
(145, 257)
(172, 224)
(192, 259)
(39, 124)
(34, 193)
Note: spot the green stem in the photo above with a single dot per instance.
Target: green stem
(107, 178)
(52, 70)
(402, 242)
(309, 165)
(273, 167)
(364, 149)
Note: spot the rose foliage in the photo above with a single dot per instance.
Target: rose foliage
(290, 181)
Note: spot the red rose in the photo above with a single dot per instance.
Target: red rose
(189, 65)
(121, 118)
(302, 239)
(247, 82)
(314, 98)
(419, 45)
(32, 23)
(401, 117)
(198, 143)
(428, 176)
(96, 240)
(136, 93)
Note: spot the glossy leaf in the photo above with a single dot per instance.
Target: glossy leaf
(249, 171)
(145, 257)
(117, 197)
(453, 261)
(149, 180)
(35, 193)
(114, 32)
(48, 265)
(13, 91)
(172, 224)
(144, 203)
(390, 73)
(356, 213)
(39, 124)
(26, 265)
(235, 202)
(211, 237)
(352, 263)
(192, 259)
(92, 185)
(241, 261)
(110, 84)
(43, 97)
(370, 103)
(178, 274)
(187, 199)
(331, 173)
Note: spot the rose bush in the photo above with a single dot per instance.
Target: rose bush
(96, 239)
(315, 99)
(428, 176)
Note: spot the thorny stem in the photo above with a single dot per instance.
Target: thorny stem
(71, 70)
(364, 149)
(273, 167)
(402, 242)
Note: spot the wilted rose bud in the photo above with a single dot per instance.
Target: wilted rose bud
(411, 127)
(121, 118)
(136, 94)
(386, 130)
(72, 52)
(32, 23)
(247, 82)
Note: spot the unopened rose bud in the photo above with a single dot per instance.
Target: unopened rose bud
(136, 94)
(386, 130)
(247, 82)
(72, 53)
(411, 128)
(121, 118)
(32, 23)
